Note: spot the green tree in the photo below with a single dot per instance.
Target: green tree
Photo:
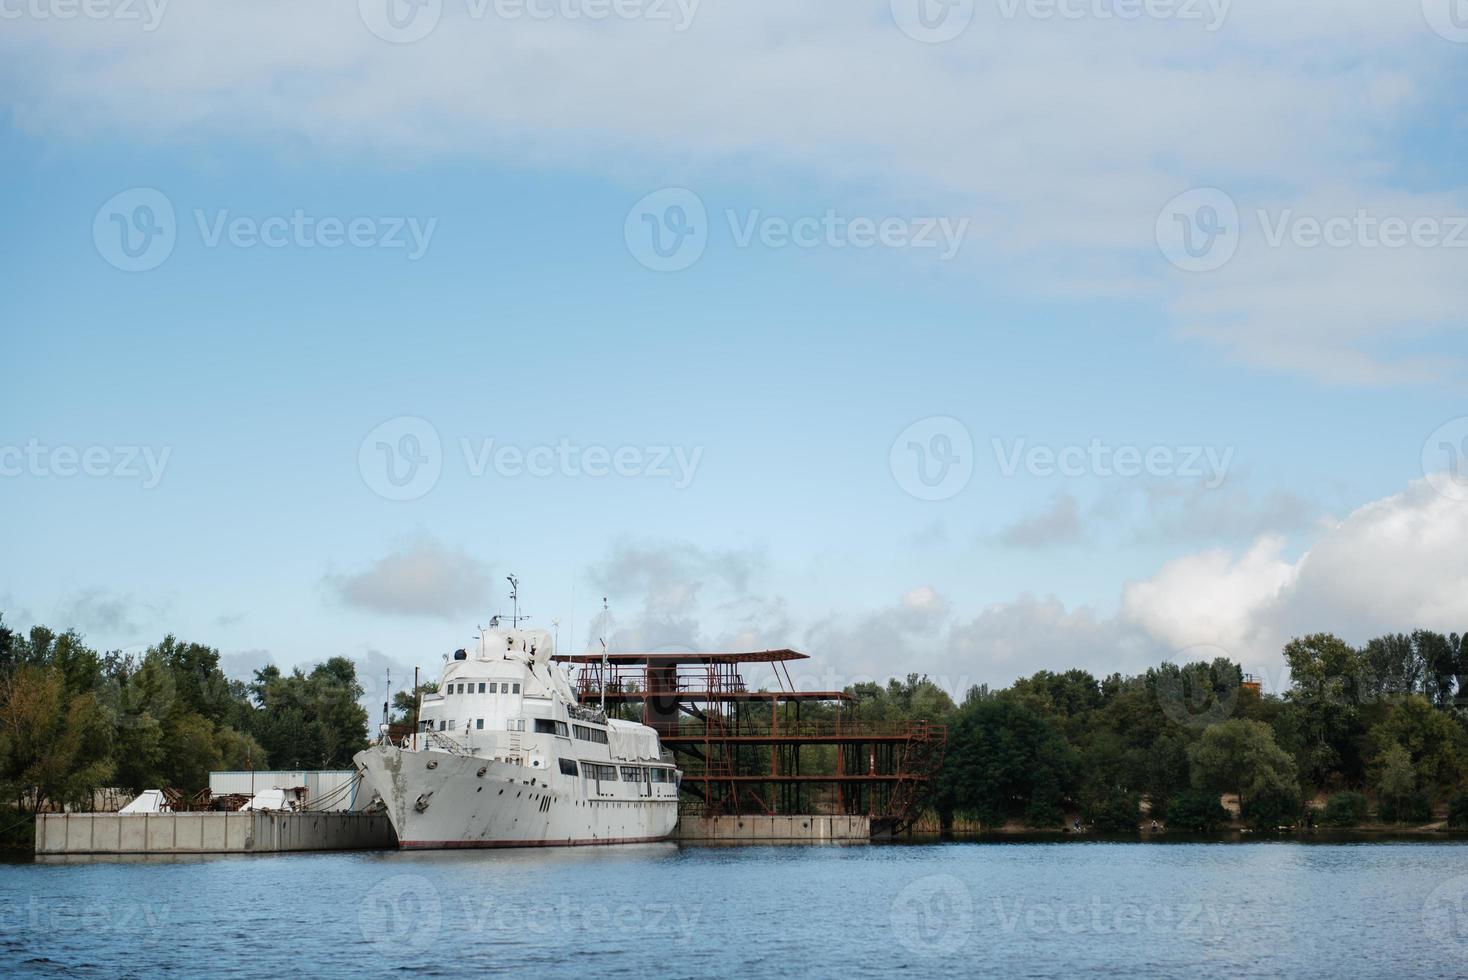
(55, 747)
(1396, 779)
(1431, 739)
(1005, 761)
(1240, 756)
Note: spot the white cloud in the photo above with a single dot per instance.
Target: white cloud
(1393, 565)
(1062, 140)
(422, 578)
(1210, 597)
(1059, 523)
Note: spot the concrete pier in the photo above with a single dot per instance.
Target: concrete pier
(259, 832)
(799, 829)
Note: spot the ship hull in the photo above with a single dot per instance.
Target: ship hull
(441, 800)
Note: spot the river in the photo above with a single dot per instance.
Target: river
(1003, 909)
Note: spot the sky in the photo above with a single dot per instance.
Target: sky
(916, 335)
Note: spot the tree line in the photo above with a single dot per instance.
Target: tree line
(73, 720)
(1378, 733)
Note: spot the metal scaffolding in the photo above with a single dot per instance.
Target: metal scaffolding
(751, 751)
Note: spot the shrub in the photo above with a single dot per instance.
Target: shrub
(1196, 810)
(1458, 812)
(1272, 810)
(1115, 812)
(1043, 816)
(1415, 808)
(1345, 810)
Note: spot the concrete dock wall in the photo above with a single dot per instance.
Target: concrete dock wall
(804, 829)
(210, 833)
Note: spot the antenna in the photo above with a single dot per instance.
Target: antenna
(514, 601)
(387, 698)
(605, 670)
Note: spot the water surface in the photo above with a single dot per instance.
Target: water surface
(1012, 910)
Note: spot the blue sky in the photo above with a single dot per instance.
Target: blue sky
(523, 151)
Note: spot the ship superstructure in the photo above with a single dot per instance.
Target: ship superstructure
(505, 756)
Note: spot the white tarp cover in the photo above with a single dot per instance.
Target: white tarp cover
(150, 801)
(270, 799)
(630, 740)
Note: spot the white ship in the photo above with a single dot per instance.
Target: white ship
(504, 756)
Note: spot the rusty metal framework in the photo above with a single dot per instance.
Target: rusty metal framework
(751, 751)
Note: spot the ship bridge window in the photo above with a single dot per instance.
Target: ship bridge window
(568, 767)
(632, 774)
(481, 687)
(516, 690)
(479, 724)
(494, 688)
(548, 726)
(594, 770)
(588, 734)
(441, 725)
